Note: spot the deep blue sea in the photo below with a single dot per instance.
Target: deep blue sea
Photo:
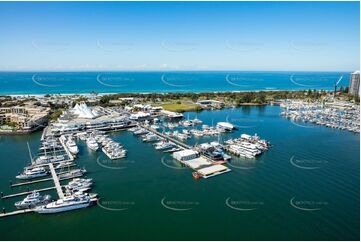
(17, 83)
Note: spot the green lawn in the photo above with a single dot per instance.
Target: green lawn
(182, 107)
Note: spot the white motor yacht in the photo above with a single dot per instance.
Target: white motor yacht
(64, 164)
(32, 173)
(164, 146)
(32, 200)
(92, 144)
(73, 148)
(68, 203)
(44, 159)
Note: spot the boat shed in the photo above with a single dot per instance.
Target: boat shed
(185, 155)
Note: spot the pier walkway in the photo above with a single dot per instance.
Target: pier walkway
(70, 155)
(28, 192)
(22, 211)
(177, 142)
(56, 181)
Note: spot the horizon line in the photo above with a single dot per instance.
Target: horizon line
(175, 70)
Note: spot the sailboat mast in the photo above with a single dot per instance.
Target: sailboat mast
(31, 157)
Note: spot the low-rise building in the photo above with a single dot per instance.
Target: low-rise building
(210, 103)
(25, 118)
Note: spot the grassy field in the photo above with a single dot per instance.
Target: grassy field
(181, 107)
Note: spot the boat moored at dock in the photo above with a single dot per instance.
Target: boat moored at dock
(33, 173)
(68, 203)
(32, 200)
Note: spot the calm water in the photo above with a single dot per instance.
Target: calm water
(252, 202)
(125, 82)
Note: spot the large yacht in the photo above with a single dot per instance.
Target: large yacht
(32, 173)
(44, 159)
(92, 144)
(72, 173)
(79, 185)
(73, 148)
(68, 203)
(225, 126)
(32, 200)
(163, 145)
(150, 138)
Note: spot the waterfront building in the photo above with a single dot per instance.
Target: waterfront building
(185, 155)
(354, 88)
(139, 116)
(171, 115)
(210, 104)
(25, 118)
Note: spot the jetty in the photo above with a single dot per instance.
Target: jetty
(70, 155)
(56, 181)
(175, 141)
(16, 212)
(23, 211)
(27, 193)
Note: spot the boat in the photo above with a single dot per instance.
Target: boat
(172, 150)
(44, 159)
(81, 180)
(92, 144)
(197, 121)
(80, 185)
(150, 138)
(32, 173)
(64, 164)
(52, 146)
(73, 148)
(72, 173)
(78, 193)
(68, 203)
(164, 145)
(155, 127)
(225, 126)
(140, 132)
(187, 123)
(196, 175)
(32, 200)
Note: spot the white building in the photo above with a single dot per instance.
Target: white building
(185, 155)
(354, 88)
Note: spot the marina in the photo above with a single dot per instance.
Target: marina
(37, 169)
(329, 113)
(167, 134)
(59, 151)
(272, 163)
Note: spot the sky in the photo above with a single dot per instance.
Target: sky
(142, 36)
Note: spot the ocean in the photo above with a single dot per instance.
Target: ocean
(19, 83)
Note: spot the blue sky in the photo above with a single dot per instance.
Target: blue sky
(315, 36)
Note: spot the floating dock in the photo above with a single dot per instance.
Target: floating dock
(175, 141)
(22, 211)
(56, 181)
(30, 182)
(70, 155)
(27, 193)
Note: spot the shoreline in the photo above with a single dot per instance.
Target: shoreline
(87, 94)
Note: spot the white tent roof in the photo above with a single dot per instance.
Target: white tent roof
(83, 111)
